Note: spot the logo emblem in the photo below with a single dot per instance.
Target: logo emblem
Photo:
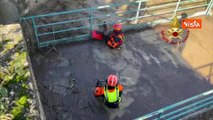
(174, 34)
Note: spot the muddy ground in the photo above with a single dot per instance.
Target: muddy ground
(152, 72)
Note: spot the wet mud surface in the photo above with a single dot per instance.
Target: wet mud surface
(152, 72)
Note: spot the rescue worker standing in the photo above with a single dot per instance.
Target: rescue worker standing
(116, 38)
(111, 91)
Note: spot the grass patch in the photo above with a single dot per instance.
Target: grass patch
(16, 96)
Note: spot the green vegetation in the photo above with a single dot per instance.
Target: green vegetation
(15, 93)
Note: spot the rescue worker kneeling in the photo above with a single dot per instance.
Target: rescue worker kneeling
(111, 91)
(116, 38)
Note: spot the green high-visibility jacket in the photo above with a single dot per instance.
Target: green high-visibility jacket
(111, 97)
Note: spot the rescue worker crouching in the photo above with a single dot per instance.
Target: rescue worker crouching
(116, 38)
(111, 91)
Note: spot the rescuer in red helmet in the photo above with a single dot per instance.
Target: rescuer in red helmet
(111, 91)
(116, 38)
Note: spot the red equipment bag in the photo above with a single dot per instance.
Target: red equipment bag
(97, 35)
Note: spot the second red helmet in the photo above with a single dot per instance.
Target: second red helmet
(117, 26)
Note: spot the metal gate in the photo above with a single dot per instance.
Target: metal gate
(76, 25)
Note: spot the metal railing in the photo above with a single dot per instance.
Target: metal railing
(48, 33)
(182, 109)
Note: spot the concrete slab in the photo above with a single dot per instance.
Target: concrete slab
(198, 51)
(154, 75)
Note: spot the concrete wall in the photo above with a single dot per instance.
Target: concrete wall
(11, 10)
(8, 12)
(198, 51)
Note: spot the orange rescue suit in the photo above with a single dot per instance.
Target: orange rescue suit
(99, 91)
(116, 39)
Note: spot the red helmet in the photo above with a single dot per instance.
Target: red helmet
(112, 80)
(117, 26)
